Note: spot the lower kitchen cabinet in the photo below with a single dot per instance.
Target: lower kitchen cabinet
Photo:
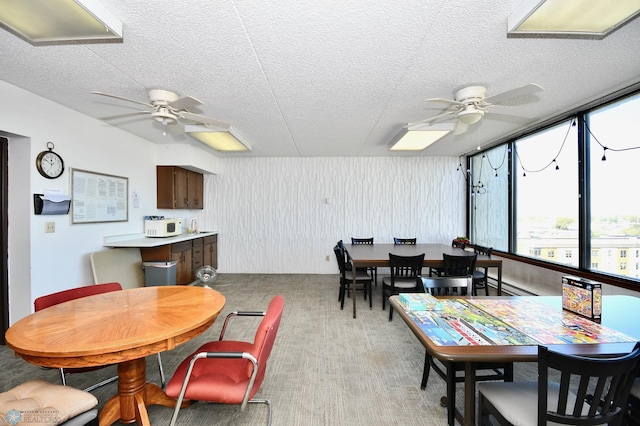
(189, 256)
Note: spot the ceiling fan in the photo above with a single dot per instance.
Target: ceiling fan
(470, 104)
(167, 108)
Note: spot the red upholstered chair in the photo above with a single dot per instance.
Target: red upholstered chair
(227, 371)
(44, 302)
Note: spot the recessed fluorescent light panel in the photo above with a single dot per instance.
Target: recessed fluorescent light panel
(44, 22)
(417, 137)
(218, 139)
(566, 18)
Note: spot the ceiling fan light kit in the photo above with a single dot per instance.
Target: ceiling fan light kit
(563, 18)
(45, 22)
(470, 115)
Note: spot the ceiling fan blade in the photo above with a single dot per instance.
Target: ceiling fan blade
(125, 115)
(461, 127)
(528, 89)
(123, 99)
(508, 118)
(204, 120)
(436, 118)
(185, 103)
(444, 101)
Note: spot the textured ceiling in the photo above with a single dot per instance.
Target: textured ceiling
(323, 78)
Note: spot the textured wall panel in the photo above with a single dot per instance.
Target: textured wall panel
(284, 215)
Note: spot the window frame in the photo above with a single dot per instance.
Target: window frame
(587, 257)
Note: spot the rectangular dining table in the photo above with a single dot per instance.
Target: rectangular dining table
(377, 255)
(511, 331)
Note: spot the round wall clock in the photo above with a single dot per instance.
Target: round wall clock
(49, 164)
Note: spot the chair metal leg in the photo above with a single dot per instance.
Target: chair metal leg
(162, 378)
(102, 383)
(426, 370)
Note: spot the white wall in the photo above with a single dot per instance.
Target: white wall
(42, 263)
(275, 215)
(284, 215)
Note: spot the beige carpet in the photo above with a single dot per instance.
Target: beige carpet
(326, 367)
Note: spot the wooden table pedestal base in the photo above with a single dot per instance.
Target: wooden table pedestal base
(134, 395)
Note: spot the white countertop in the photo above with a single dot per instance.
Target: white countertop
(139, 240)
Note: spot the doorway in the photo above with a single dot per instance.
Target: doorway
(4, 209)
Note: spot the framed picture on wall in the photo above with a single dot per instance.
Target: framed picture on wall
(98, 197)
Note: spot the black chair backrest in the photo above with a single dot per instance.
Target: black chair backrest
(486, 251)
(442, 286)
(404, 241)
(340, 258)
(406, 266)
(458, 244)
(459, 266)
(365, 241)
(601, 387)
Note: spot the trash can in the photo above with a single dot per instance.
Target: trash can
(159, 272)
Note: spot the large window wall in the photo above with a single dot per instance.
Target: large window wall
(565, 194)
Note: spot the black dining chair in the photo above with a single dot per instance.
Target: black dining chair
(405, 277)
(372, 270)
(405, 241)
(438, 271)
(451, 286)
(363, 279)
(480, 274)
(571, 390)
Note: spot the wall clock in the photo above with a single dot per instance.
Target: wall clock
(49, 164)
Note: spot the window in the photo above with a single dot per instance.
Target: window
(615, 211)
(571, 182)
(488, 183)
(547, 189)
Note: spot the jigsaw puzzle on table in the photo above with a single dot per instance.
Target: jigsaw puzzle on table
(524, 322)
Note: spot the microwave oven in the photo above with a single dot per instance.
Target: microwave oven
(162, 227)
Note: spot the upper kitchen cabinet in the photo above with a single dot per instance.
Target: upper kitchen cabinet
(178, 188)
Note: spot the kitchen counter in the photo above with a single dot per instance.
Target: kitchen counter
(139, 240)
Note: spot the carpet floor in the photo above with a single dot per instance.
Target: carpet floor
(326, 368)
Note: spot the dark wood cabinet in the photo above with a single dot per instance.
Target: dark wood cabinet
(210, 251)
(178, 188)
(189, 256)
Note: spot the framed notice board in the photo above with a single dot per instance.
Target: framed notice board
(98, 197)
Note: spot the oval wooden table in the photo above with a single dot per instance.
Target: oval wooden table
(120, 327)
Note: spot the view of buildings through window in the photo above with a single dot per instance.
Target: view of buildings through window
(546, 201)
(546, 194)
(614, 205)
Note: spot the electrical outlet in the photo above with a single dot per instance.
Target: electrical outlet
(49, 227)
(327, 258)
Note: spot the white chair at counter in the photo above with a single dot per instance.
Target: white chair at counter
(122, 265)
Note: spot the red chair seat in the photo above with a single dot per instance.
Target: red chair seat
(231, 380)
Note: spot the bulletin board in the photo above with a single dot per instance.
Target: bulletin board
(98, 197)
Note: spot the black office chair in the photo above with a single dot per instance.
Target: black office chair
(447, 286)
(480, 274)
(346, 277)
(405, 241)
(372, 270)
(405, 277)
(590, 391)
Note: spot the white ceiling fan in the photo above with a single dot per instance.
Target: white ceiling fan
(167, 108)
(470, 104)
